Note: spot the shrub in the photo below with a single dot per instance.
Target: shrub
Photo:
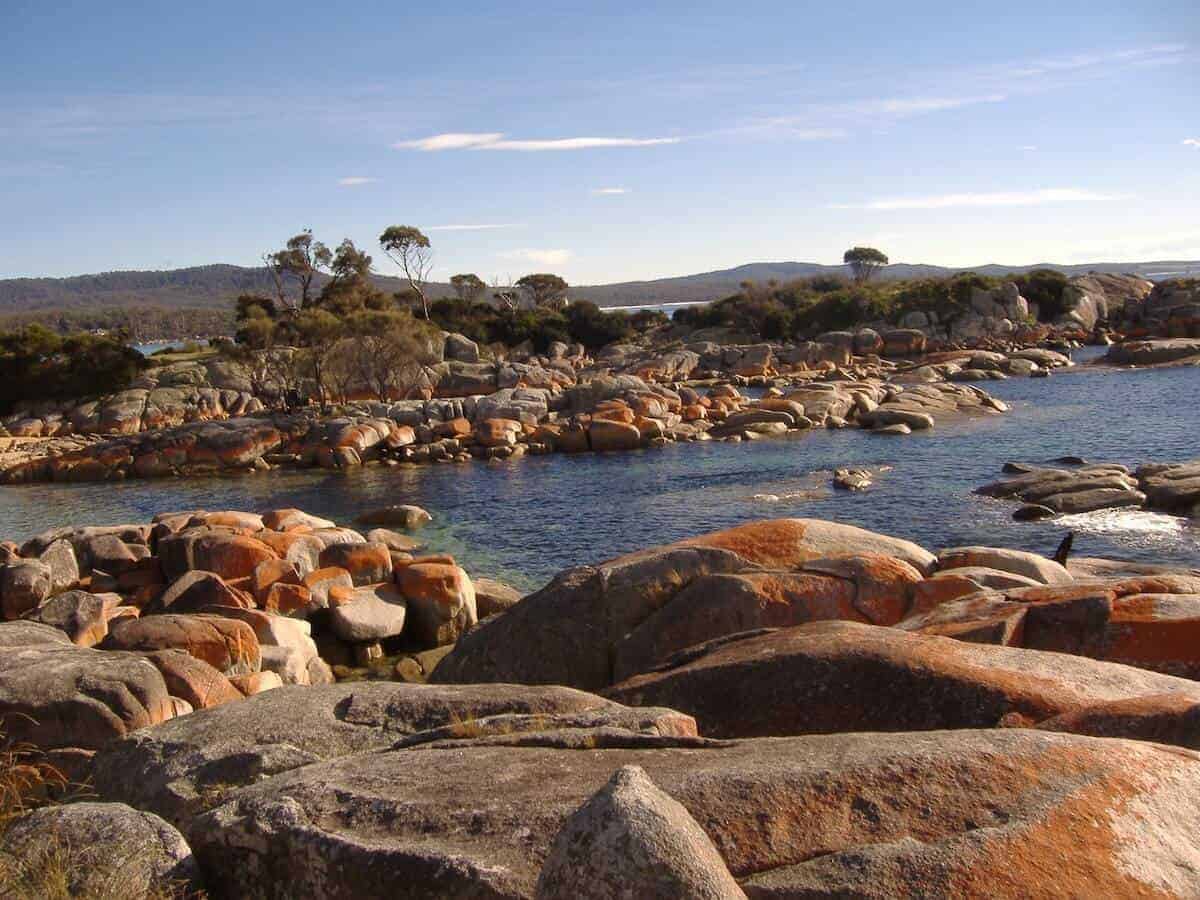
(645, 319)
(37, 364)
(1045, 287)
(593, 327)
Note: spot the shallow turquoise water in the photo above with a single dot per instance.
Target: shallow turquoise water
(524, 520)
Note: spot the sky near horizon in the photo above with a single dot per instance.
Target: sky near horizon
(605, 142)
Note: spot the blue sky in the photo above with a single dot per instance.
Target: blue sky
(605, 142)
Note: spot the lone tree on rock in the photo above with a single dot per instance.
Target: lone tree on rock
(301, 260)
(468, 287)
(410, 250)
(544, 289)
(864, 261)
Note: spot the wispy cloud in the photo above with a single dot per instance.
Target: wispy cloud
(355, 181)
(1029, 147)
(487, 227)
(973, 87)
(450, 141)
(497, 141)
(991, 199)
(1152, 55)
(796, 128)
(1191, 142)
(610, 191)
(915, 106)
(33, 169)
(541, 257)
(834, 121)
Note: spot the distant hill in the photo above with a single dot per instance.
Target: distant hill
(199, 286)
(722, 283)
(216, 286)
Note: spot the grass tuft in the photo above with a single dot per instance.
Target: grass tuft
(52, 869)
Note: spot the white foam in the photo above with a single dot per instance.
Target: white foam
(1140, 522)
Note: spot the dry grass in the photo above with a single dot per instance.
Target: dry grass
(52, 869)
(470, 727)
(26, 780)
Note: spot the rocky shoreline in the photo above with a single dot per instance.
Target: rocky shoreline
(281, 705)
(1046, 491)
(589, 410)
(202, 418)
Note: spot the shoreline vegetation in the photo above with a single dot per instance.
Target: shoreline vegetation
(330, 371)
(215, 683)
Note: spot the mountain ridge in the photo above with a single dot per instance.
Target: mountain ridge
(218, 284)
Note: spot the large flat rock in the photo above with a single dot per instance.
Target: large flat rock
(1003, 813)
(594, 625)
(189, 763)
(55, 695)
(831, 677)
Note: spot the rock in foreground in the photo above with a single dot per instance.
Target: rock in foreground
(1044, 815)
(632, 840)
(598, 624)
(98, 849)
(831, 677)
(186, 767)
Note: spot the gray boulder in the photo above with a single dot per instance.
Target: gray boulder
(400, 516)
(77, 614)
(373, 613)
(64, 568)
(460, 348)
(58, 695)
(492, 597)
(192, 763)
(103, 849)
(632, 840)
(24, 584)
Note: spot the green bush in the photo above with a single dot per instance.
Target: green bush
(593, 327)
(645, 319)
(37, 364)
(1045, 287)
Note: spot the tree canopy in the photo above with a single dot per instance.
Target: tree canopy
(38, 364)
(864, 262)
(410, 249)
(468, 287)
(544, 289)
(300, 260)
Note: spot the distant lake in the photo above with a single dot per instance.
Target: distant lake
(153, 347)
(667, 308)
(526, 519)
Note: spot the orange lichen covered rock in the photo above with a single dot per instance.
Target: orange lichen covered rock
(498, 432)
(192, 679)
(1103, 620)
(227, 645)
(595, 624)
(614, 433)
(842, 676)
(286, 599)
(440, 601)
(231, 556)
(366, 563)
(789, 542)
